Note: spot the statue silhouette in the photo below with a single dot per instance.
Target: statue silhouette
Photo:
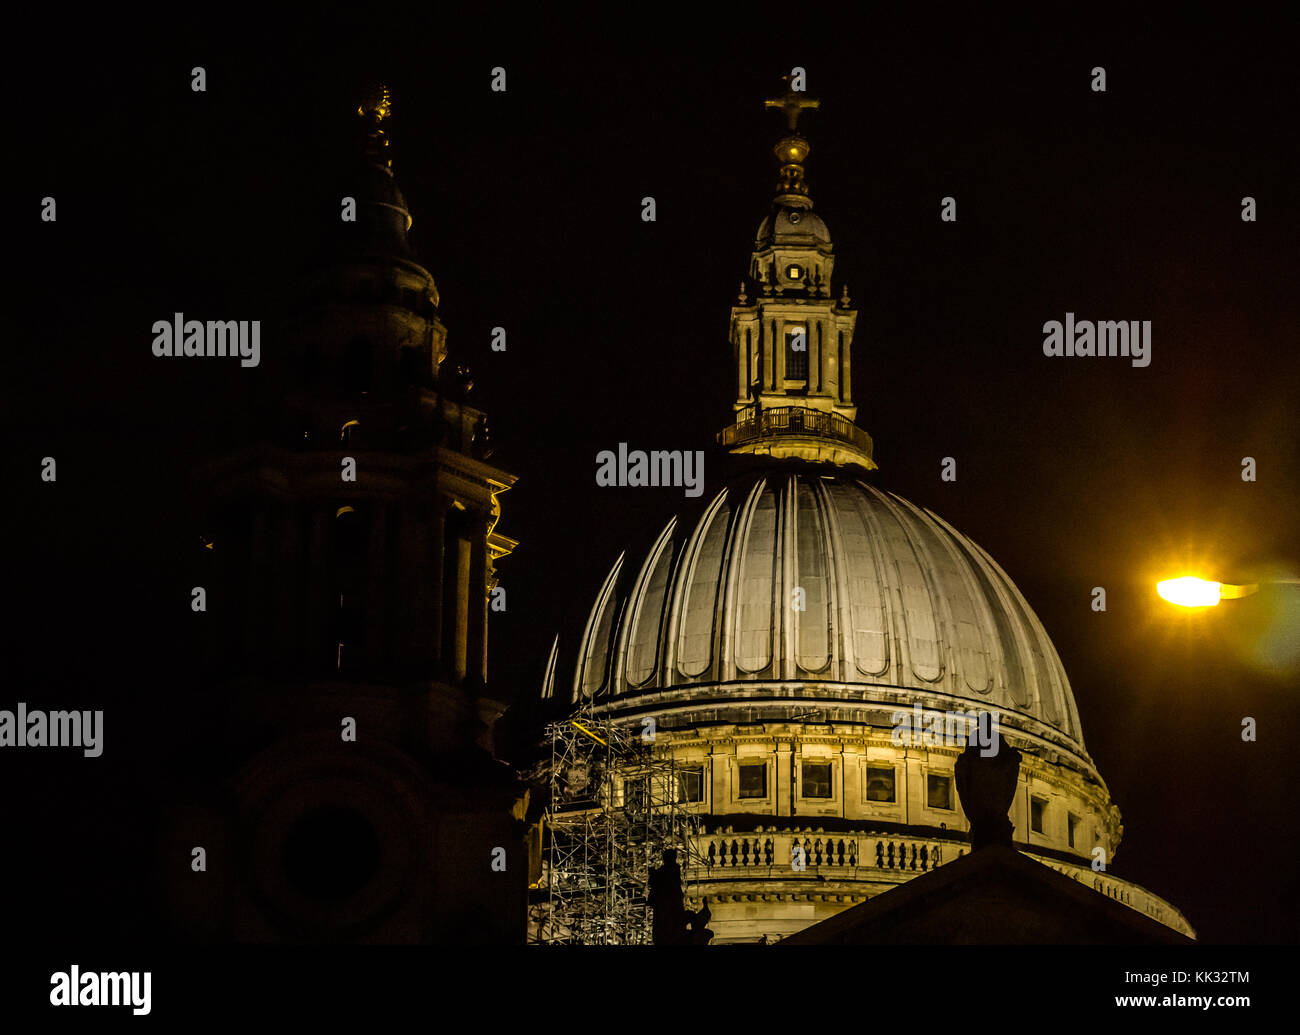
(673, 924)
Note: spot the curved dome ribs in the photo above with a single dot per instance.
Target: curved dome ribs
(1056, 697)
(591, 674)
(812, 620)
(1037, 681)
(757, 617)
(911, 587)
(868, 648)
(954, 603)
(1013, 682)
(893, 599)
(638, 651)
(731, 583)
(698, 593)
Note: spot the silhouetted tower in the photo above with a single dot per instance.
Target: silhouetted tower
(352, 550)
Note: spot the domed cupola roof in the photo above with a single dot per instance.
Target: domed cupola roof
(798, 578)
(802, 589)
(790, 226)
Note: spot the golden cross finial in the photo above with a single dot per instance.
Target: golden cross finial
(792, 103)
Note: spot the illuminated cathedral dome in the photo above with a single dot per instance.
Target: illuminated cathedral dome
(818, 588)
(793, 648)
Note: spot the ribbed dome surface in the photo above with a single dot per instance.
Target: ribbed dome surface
(892, 597)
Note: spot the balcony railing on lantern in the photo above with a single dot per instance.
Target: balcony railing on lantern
(793, 420)
(724, 852)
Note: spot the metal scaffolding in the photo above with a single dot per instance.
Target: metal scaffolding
(613, 811)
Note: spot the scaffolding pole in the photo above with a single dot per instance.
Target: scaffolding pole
(614, 810)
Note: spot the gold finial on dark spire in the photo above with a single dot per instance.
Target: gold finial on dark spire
(376, 106)
(792, 150)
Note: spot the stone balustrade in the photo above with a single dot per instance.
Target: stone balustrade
(859, 856)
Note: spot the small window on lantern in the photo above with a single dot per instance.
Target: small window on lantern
(796, 352)
(794, 272)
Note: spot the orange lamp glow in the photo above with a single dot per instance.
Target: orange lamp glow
(1190, 591)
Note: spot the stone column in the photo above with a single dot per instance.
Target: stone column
(377, 583)
(477, 602)
(720, 760)
(779, 348)
(840, 372)
(784, 785)
(846, 354)
(913, 786)
(851, 766)
(743, 362)
(459, 573)
(815, 362)
(770, 347)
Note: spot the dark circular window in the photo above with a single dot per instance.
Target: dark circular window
(794, 217)
(330, 853)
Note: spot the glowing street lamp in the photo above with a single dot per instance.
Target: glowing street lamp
(1190, 591)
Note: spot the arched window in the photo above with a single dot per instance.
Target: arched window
(796, 352)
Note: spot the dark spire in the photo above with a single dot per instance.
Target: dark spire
(382, 217)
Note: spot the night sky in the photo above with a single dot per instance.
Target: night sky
(1072, 472)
